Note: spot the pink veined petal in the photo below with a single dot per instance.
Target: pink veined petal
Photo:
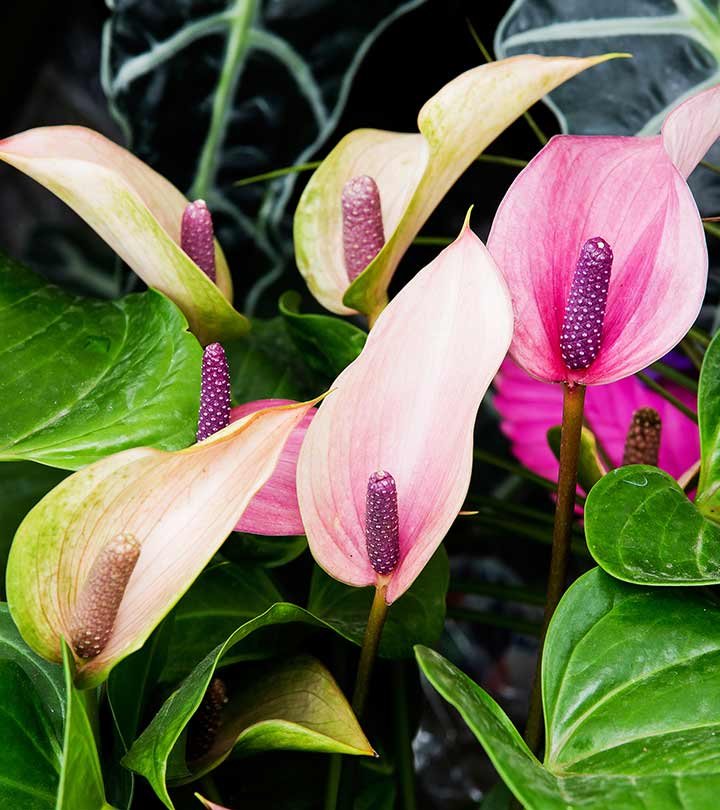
(627, 191)
(274, 510)
(529, 407)
(691, 129)
(407, 405)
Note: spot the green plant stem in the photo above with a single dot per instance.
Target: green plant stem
(699, 336)
(676, 376)
(691, 353)
(509, 593)
(712, 229)
(210, 790)
(332, 785)
(501, 160)
(259, 178)
(440, 241)
(486, 617)
(515, 469)
(665, 394)
(368, 653)
(403, 742)
(572, 422)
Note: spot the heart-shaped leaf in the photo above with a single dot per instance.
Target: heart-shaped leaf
(293, 706)
(151, 752)
(81, 379)
(631, 690)
(179, 506)
(49, 760)
(640, 525)
(418, 617)
(674, 44)
(222, 598)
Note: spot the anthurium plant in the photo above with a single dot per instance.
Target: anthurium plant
(266, 551)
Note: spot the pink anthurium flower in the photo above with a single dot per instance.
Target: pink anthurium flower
(371, 195)
(143, 217)
(603, 249)
(274, 511)
(528, 408)
(386, 462)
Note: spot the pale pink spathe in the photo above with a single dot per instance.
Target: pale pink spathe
(407, 405)
(629, 192)
(274, 510)
(528, 408)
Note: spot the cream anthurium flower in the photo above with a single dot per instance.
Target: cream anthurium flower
(412, 173)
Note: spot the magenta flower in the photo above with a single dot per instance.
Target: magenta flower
(274, 510)
(529, 408)
(386, 463)
(603, 249)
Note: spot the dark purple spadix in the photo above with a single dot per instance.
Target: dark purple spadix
(582, 327)
(102, 592)
(642, 444)
(363, 234)
(197, 237)
(381, 523)
(214, 392)
(207, 720)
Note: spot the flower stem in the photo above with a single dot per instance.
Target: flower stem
(403, 742)
(572, 422)
(665, 394)
(371, 642)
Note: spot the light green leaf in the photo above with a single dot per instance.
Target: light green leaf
(631, 690)
(81, 379)
(590, 468)
(418, 617)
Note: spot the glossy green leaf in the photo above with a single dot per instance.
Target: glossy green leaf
(709, 423)
(631, 690)
(328, 344)
(641, 527)
(292, 706)
(590, 468)
(81, 782)
(22, 485)
(150, 753)
(417, 617)
(675, 45)
(222, 598)
(270, 552)
(81, 379)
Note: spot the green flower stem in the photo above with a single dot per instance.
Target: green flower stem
(699, 336)
(665, 394)
(508, 593)
(403, 741)
(501, 160)
(259, 178)
(692, 353)
(572, 422)
(515, 469)
(368, 653)
(490, 619)
(371, 642)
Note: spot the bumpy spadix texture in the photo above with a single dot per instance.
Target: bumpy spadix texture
(214, 392)
(197, 237)
(582, 327)
(529, 408)
(381, 523)
(207, 720)
(363, 234)
(642, 445)
(101, 594)
(632, 191)
(407, 405)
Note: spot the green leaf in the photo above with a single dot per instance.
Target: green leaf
(676, 53)
(222, 598)
(81, 783)
(81, 379)
(328, 344)
(150, 753)
(631, 690)
(708, 499)
(270, 552)
(22, 485)
(418, 617)
(641, 528)
(590, 468)
(291, 706)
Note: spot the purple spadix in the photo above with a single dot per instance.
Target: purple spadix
(363, 233)
(382, 523)
(102, 592)
(197, 237)
(582, 327)
(642, 443)
(214, 392)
